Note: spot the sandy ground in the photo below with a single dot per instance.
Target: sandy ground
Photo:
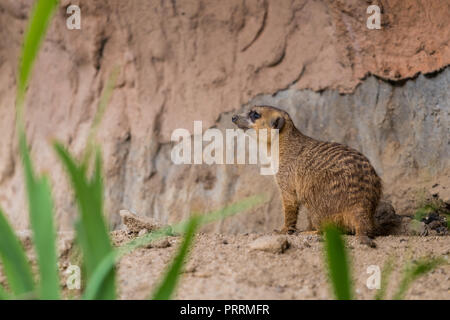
(225, 267)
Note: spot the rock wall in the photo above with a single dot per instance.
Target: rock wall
(384, 92)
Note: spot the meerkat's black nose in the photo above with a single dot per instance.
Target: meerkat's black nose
(234, 118)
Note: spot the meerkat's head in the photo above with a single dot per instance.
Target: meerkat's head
(262, 117)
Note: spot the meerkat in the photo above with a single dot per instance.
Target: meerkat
(336, 183)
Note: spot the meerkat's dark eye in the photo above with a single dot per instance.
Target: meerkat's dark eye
(254, 115)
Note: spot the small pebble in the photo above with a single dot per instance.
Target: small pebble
(143, 232)
(274, 244)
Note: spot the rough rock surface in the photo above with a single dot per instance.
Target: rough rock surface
(182, 61)
(273, 244)
(138, 224)
(387, 221)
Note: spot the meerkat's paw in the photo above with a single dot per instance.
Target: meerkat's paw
(367, 241)
(311, 232)
(286, 230)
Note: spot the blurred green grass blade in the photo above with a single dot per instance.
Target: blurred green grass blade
(414, 270)
(92, 233)
(104, 100)
(101, 273)
(39, 196)
(109, 261)
(15, 264)
(167, 287)
(337, 263)
(41, 218)
(230, 210)
(37, 27)
(102, 282)
(385, 275)
(3, 294)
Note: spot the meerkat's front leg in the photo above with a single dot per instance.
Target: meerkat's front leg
(290, 208)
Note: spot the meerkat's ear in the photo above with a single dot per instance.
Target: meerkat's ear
(277, 123)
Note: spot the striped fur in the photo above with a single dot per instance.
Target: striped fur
(334, 182)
